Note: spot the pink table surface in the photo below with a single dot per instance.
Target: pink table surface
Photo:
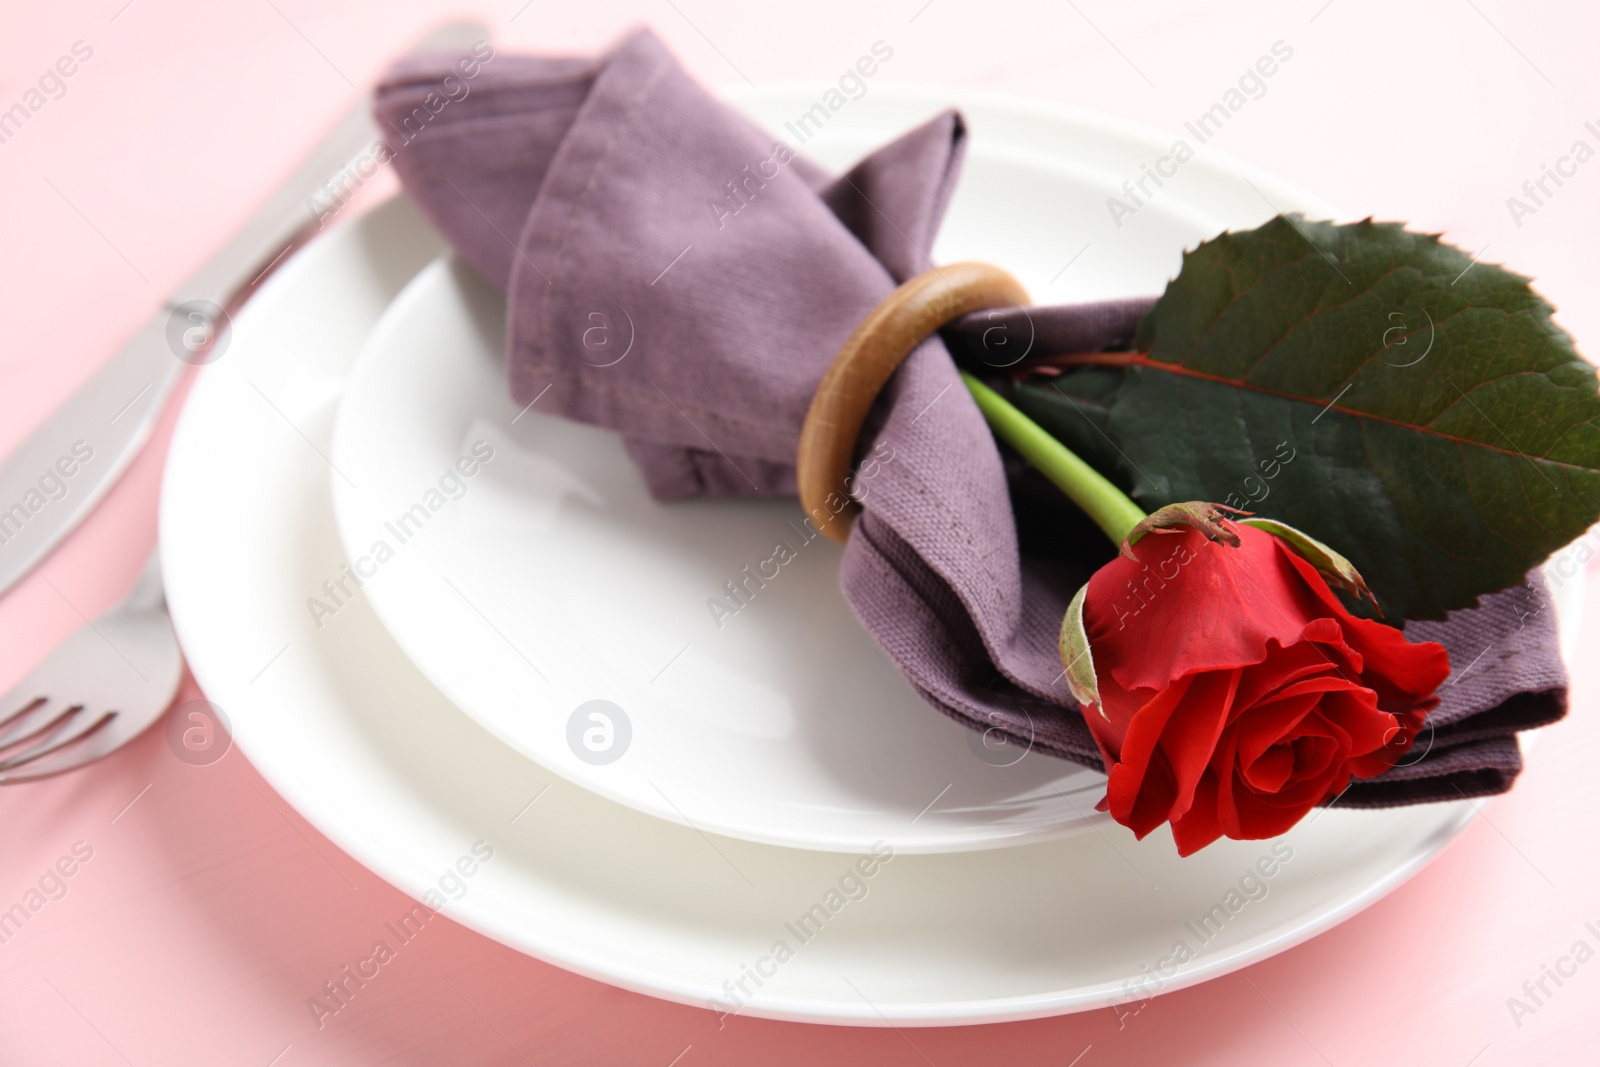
(210, 911)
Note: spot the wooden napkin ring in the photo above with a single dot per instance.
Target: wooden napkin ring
(863, 366)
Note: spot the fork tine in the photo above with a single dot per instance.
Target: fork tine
(45, 732)
(60, 740)
(17, 716)
(23, 733)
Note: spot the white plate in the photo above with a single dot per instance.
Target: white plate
(348, 732)
(550, 580)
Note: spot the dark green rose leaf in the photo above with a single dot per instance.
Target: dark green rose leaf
(1416, 411)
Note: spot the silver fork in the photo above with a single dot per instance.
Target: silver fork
(112, 678)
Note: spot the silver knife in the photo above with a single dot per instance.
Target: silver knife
(57, 476)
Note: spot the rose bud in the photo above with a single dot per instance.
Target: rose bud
(1229, 690)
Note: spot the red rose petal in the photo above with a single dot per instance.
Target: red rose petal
(1411, 670)
(1144, 801)
(1194, 606)
(1357, 714)
(1314, 756)
(1264, 725)
(1281, 668)
(1269, 771)
(1198, 826)
(1193, 729)
(1133, 785)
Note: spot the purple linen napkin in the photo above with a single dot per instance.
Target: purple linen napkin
(674, 273)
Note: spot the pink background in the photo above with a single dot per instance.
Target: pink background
(210, 911)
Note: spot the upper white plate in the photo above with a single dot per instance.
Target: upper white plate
(548, 595)
(345, 728)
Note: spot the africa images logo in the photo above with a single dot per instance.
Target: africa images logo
(52, 485)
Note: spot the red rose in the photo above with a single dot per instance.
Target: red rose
(1230, 691)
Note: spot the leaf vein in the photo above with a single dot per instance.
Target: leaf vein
(1143, 360)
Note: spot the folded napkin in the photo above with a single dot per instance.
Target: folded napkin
(677, 274)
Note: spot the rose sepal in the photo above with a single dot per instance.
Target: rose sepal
(1212, 520)
(1076, 657)
(1334, 568)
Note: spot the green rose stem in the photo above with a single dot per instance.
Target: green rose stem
(1108, 506)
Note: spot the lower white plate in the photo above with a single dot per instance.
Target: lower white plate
(348, 731)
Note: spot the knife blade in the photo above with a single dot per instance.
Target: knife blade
(54, 479)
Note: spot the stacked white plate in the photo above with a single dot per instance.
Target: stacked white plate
(443, 627)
